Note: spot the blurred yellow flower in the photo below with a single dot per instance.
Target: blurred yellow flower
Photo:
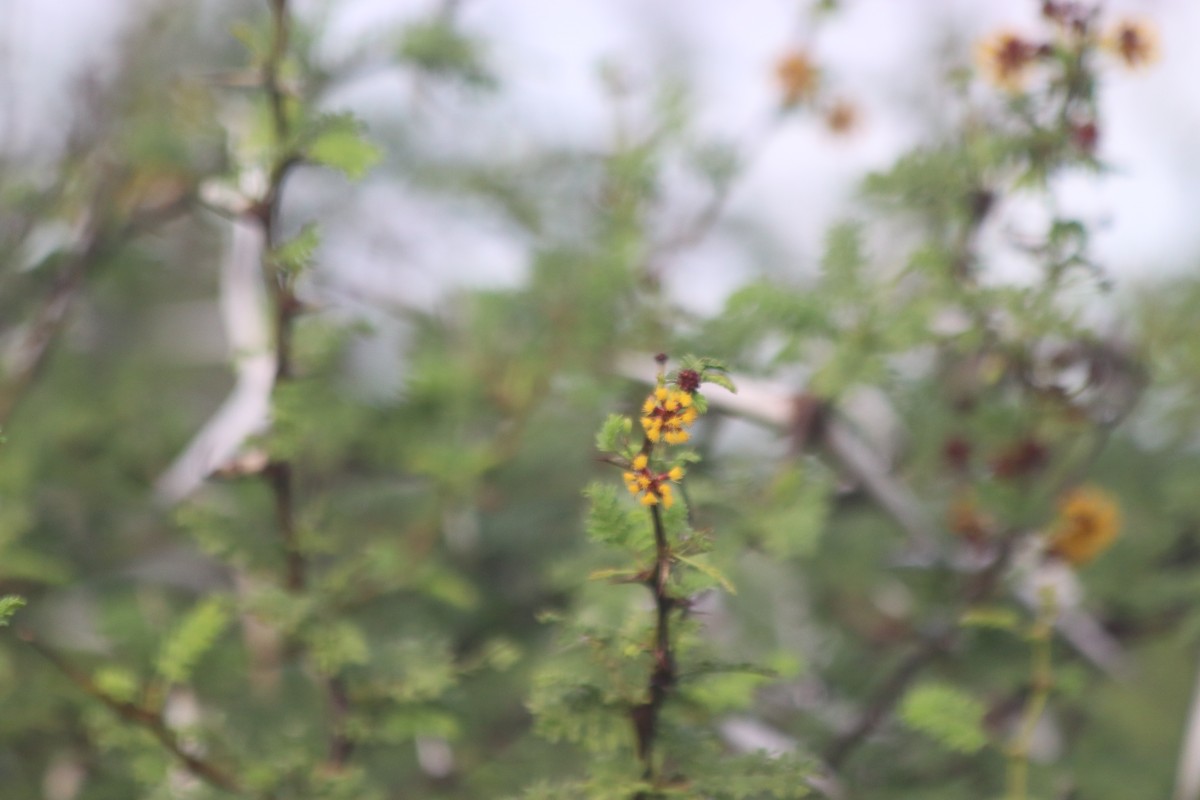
(797, 76)
(1134, 41)
(1005, 59)
(1088, 522)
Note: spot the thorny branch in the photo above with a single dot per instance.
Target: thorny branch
(140, 715)
(50, 318)
(280, 474)
(663, 677)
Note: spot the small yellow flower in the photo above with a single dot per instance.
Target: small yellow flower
(1134, 41)
(665, 492)
(651, 488)
(1005, 59)
(660, 394)
(1088, 522)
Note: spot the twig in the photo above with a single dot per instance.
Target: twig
(1042, 681)
(979, 588)
(48, 321)
(50, 318)
(286, 306)
(141, 716)
(663, 676)
(279, 474)
(886, 697)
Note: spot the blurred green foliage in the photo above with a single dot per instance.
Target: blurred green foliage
(446, 600)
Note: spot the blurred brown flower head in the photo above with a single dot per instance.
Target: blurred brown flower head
(1085, 135)
(1005, 58)
(842, 117)
(798, 76)
(1134, 41)
(1088, 522)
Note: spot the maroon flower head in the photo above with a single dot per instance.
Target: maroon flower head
(688, 380)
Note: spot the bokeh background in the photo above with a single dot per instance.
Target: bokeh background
(545, 195)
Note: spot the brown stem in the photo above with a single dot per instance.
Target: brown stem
(280, 474)
(926, 652)
(664, 675)
(137, 714)
(47, 323)
(341, 746)
(886, 697)
(50, 318)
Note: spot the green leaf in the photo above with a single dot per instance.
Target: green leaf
(842, 264)
(337, 645)
(609, 521)
(615, 575)
(946, 714)
(256, 40)
(439, 48)
(500, 654)
(9, 604)
(720, 380)
(191, 639)
(297, 253)
(339, 143)
(708, 364)
(116, 682)
(614, 433)
(798, 511)
(756, 776)
(990, 617)
(703, 567)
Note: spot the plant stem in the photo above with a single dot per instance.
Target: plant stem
(1042, 681)
(662, 677)
(142, 716)
(664, 674)
(981, 587)
(280, 473)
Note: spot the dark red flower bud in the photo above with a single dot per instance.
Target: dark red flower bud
(688, 381)
(1020, 458)
(957, 452)
(1085, 135)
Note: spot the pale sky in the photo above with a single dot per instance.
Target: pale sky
(881, 54)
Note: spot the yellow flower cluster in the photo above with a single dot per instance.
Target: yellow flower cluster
(666, 414)
(1088, 521)
(649, 487)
